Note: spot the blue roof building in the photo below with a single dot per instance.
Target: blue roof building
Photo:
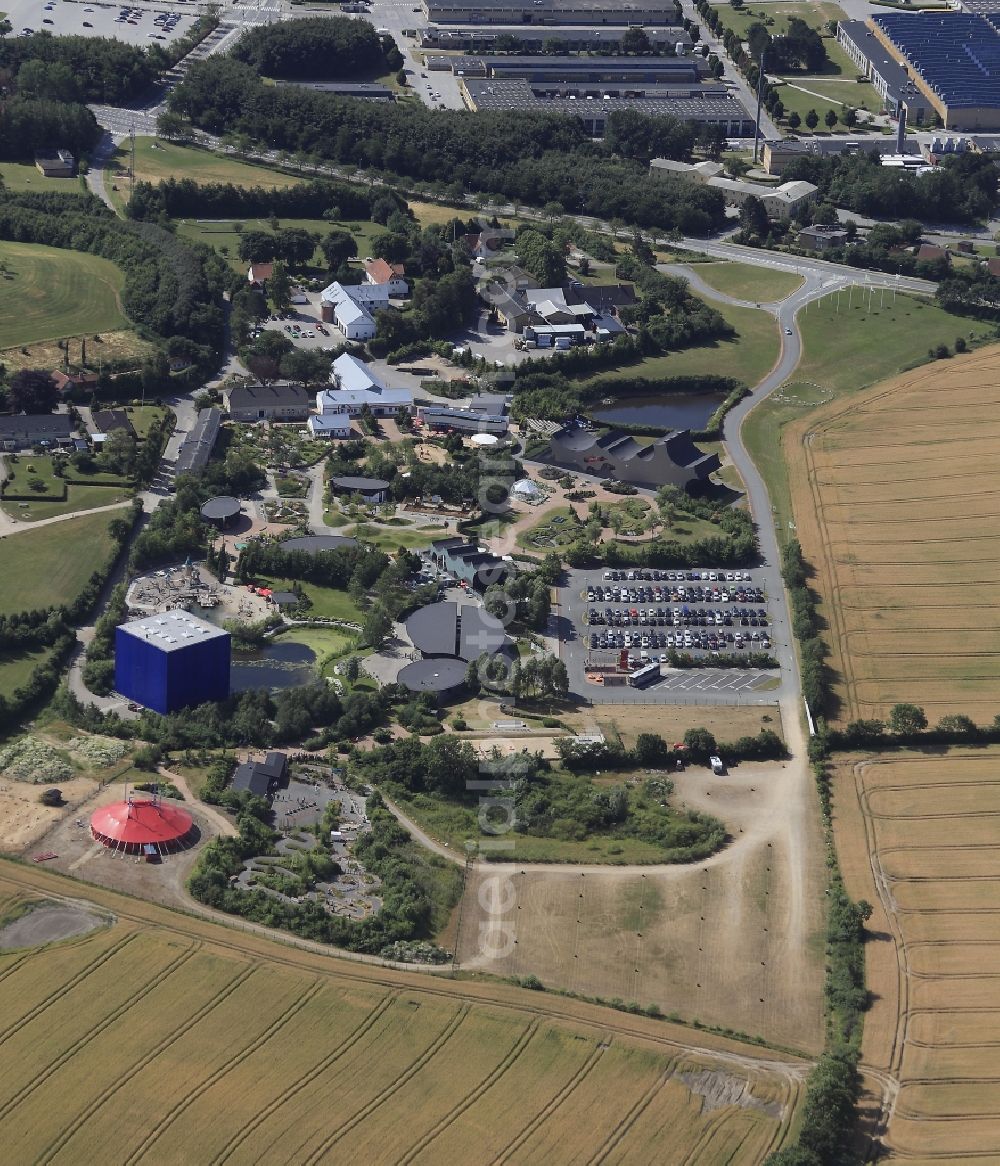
(168, 661)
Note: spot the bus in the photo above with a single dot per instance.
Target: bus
(645, 675)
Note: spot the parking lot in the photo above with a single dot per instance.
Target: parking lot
(132, 23)
(610, 618)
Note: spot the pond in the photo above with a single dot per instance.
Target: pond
(686, 411)
(272, 666)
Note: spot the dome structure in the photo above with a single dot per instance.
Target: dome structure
(526, 488)
(135, 824)
(484, 439)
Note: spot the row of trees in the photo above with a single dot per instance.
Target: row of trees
(540, 158)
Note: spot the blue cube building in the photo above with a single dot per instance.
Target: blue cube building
(170, 660)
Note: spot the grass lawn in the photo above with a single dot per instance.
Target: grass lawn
(223, 236)
(28, 473)
(156, 159)
(859, 95)
(327, 602)
(143, 417)
(78, 498)
(47, 293)
(16, 667)
(844, 353)
(23, 176)
(390, 538)
(748, 357)
(557, 529)
(50, 565)
(746, 281)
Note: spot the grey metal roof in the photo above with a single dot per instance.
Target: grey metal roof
(171, 631)
(432, 675)
(364, 485)
(450, 629)
(199, 443)
(261, 396)
(221, 507)
(48, 424)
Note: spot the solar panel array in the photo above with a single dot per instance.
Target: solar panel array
(956, 53)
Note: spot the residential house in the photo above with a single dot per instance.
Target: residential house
(259, 273)
(276, 402)
(23, 430)
(379, 272)
(67, 382)
(823, 238)
(109, 420)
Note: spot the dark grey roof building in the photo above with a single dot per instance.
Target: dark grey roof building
(199, 443)
(371, 489)
(671, 460)
(450, 629)
(20, 430)
(221, 511)
(442, 676)
(277, 402)
(261, 778)
(315, 544)
(108, 420)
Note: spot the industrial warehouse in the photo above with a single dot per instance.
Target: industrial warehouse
(593, 88)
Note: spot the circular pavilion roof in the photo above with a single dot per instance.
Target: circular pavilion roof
(141, 822)
(220, 509)
(433, 675)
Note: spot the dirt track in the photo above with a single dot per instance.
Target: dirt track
(732, 940)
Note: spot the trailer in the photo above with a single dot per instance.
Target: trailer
(644, 675)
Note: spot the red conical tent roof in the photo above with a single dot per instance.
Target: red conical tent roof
(141, 822)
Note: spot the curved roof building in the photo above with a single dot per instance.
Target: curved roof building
(439, 676)
(221, 511)
(137, 824)
(450, 629)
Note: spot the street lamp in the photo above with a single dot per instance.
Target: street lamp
(760, 93)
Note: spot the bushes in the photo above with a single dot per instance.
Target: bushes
(805, 626)
(318, 48)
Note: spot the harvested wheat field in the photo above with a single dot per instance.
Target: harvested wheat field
(165, 1038)
(917, 837)
(897, 506)
(735, 940)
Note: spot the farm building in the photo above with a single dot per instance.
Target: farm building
(56, 164)
(145, 825)
(351, 307)
(355, 386)
(389, 275)
(168, 661)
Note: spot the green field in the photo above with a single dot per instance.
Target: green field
(390, 538)
(24, 176)
(843, 352)
(156, 159)
(143, 417)
(47, 292)
(50, 565)
(224, 237)
(748, 281)
(748, 357)
(16, 668)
